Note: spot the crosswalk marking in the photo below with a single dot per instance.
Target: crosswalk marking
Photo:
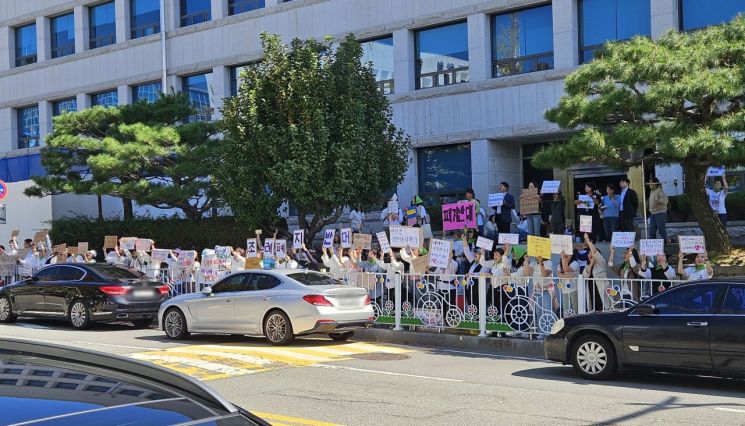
(204, 365)
(294, 420)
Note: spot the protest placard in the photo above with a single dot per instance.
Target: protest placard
(345, 235)
(715, 171)
(143, 244)
(186, 259)
(586, 202)
(692, 243)
(652, 247)
(127, 243)
(393, 207)
(406, 236)
(550, 186)
(60, 248)
(530, 201)
(458, 216)
(269, 246)
(253, 263)
(109, 241)
(15, 233)
(40, 236)
(561, 243)
(485, 243)
(223, 252)
(383, 242)
(159, 255)
(420, 263)
(585, 223)
(512, 239)
(362, 241)
(496, 200)
(328, 238)
(280, 248)
(440, 253)
(411, 216)
(623, 239)
(539, 247)
(298, 239)
(82, 247)
(252, 249)
(8, 265)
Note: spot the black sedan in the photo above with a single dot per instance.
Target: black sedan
(82, 294)
(42, 384)
(696, 328)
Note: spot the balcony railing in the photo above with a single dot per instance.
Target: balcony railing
(101, 41)
(386, 87)
(145, 30)
(240, 6)
(195, 18)
(523, 64)
(28, 142)
(442, 78)
(63, 50)
(25, 60)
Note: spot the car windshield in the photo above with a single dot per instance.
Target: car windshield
(114, 273)
(314, 278)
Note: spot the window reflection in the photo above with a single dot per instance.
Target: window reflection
(195, 11)
(698, 14)
(25, 45)
(148, 92)
(380, 53)
(106, 99)
(28, 127)
(523, 41)
(442, 56)
(145, 17)
(607, 20)
(444, 168)
(197, 87)
(63, 35)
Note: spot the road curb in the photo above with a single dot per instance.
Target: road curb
(488, 345)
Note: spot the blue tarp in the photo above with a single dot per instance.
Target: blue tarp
(16, 169)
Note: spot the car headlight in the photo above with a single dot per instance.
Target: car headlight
(557, 327)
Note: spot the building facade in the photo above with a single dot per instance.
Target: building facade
(468, 80)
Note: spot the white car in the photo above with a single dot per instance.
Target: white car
(279, 304)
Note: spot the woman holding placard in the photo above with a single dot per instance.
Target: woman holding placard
(587, 205)
(662, 274)
(717, 198)
(701, 269)
(629, 269)
(596, 272)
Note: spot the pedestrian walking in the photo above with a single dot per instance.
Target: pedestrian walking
(657, 210)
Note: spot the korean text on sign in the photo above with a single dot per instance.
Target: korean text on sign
(458, 216)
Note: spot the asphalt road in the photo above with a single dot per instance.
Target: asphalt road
(317, 382)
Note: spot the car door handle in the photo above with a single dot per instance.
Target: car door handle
(697, 324)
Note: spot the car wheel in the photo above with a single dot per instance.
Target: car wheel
(594, 358)
(6, 310)
(174, 324)
(278, 329)
(341, 337)
(79, 315)
(142, 323)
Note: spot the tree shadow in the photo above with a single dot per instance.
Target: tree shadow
(64, 325)
(237, 339)
(671, 403)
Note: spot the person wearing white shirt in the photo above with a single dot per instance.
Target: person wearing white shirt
(700, 270)
(238, 260)
(717, 198)
(662, 273)
(567, 272)
(356, 219)
(391, 218)
(335, 263)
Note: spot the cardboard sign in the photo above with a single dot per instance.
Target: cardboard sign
(252, 249)
(298, 239)
(692, 243)
(345, 235)
(393, 207)
(15, 233)
(109, 241)
(259, 232)
(60, 248)
(586, 202)
(715, 171)
(72, 251)
(253, 263)
(561, 243)
(269, 246)
(509, 239)
(143, 244)
(420, 264)
(458, 216)
(406, 236)
(328, 238)
(8, 265)
(362, 241)
(539, 247)
(383, 241)
(550, 186)
(496, 200)
(585, 223)
(223, 252)
(159, 255)
(485, 243)
(652, 247)
(82, 247)
(186, 259)
(440, 252)
(127, 243)
(280, 248)
(530, 201)
(623, 239)
(40, 236)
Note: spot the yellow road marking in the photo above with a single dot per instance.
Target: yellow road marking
(295, 420)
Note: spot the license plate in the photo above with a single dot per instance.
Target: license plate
(142, 293)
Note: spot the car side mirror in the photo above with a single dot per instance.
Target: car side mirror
(207, 291)
(645, 309)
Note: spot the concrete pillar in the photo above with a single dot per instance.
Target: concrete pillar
(173, 84)
(7, 48)
(124, 95)
(8, 129)
(45, 121)
(480, 169)
(172, 14)
(219, 9)
(566, 33)
(83, 101)
(479, 47)
(403, 61)
(665, 17)
(270, 3)
(82, 29)
(43, 39)
(410, 185)
(493, 162)
(220, 88)
(122, 20)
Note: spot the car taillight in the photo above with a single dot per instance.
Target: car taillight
(114, 290)
(317, 299)
(163, 290)
(367, 300)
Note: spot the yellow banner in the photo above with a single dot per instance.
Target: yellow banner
(539, 247)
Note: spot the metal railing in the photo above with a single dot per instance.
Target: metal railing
(386, 87)
(240, 6)
(101, 41)
(442, 78)
(145, 30)
(25, 60)
(523, 64)
(195, 18)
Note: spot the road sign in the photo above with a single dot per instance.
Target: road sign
(3, 190)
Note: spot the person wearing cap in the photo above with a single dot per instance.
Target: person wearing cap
(657, 209)
(87, 257)
(421, 212)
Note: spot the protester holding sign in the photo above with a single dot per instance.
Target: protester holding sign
(717, 198)
(410, 256)
(336, 262)
(530, 207)
(392, 213)
(629, 206)
(661, 272)
(587, 205)
(596, 272)
(356, 219)
(504, 212)
(700, 270)
(238, 260)
(629, 269)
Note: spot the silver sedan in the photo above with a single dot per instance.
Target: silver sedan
(279, 304)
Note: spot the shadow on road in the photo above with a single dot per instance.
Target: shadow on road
(62, 325)
(216, 339)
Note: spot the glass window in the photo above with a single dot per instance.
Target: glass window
(106, 99)
(694, 300)
(145, 17)
(69, 273)
(113, 273)
(198, 89)
(235, 78)
(148, 92)
(240, 6)
(444, 169)
(47, 274)
(734, 302)
(522, 41)
(63, 106)
(102, 25)
(697, 14)
(606, 20)
(25, 45)
(230, 283)
(442, 55)
(262, 282)
(28, 127)
(314, 278)
(195, 11)
(63, 35)
(380, 53)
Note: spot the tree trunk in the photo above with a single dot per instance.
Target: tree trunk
(100, 208)
(303, 224)
(128, 208)
(717, 239)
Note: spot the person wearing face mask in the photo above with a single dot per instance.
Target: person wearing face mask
(661, 273)
(700, 270)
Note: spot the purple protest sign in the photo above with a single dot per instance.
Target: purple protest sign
(458, 216)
